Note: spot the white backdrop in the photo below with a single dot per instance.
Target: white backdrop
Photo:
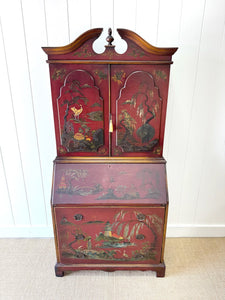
(195, 127)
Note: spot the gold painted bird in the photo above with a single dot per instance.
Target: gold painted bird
(77, 112)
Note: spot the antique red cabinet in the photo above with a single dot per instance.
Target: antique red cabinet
(109, 195)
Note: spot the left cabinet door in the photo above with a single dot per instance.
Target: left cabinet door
(81, 109)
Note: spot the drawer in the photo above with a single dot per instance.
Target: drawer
(109, 234)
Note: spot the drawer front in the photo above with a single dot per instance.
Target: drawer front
(109, 234)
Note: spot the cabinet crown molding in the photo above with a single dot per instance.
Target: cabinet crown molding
(84, 37)
(125, 34)
(134, 37)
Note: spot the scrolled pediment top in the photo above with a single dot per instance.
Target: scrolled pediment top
(129, 36)
(90, 34)
(135, 38)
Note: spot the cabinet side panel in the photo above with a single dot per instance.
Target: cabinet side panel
(55, 233)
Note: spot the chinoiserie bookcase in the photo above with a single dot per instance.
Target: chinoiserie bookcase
(109, 194)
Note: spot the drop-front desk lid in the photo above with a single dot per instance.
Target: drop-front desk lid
(105, 184)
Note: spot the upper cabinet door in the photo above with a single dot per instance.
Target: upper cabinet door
(128, 91)
(80, 104)
(139, 98)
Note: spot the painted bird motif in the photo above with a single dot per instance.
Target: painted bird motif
(131, 101)
(77, 112)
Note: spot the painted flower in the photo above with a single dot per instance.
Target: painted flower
(117, 151)
(62, 150)
(118, 76)
(159, 74)
(58, 74)
(102, 150)
(101, 75)
(79, 136)
(157, 151)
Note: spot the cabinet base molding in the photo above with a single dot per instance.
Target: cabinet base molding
(158, 268)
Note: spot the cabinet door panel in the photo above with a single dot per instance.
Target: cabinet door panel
(120, 235)
(80, 102)
(140, 95)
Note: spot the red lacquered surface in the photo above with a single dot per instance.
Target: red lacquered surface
(87, 88)
(103, 234)
(137, 49)
(116, 184)
(109, 204)
(140, 95)
(80, 100)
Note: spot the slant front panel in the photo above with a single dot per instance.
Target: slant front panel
(114, 184)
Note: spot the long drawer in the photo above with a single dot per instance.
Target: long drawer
(117, 235)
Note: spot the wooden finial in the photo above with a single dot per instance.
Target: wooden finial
(109, 38)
